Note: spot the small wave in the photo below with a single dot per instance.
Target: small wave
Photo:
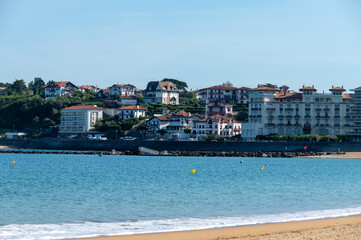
(98, 229)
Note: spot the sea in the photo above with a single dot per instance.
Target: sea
(59, 196)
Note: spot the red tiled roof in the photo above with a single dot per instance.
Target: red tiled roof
(264, 89)
(60, 84)
(86, 107)
(86, 86)
(161, 118)
(346, 96)
(220, 88)
(121, 85)
(244, 88)
(105, 90)
(132, 108)
(289, 95)
(284, 86)
(308, 88)
(168, 86)
(337, 89)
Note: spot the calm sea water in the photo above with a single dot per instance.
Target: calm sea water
(64, 196)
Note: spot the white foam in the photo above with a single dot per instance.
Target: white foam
(92, 229)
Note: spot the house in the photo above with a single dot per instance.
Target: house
(121, 90)
(127, 100)
(161, 93)
(2, 89)
(57, 89)
(227, 94)
(131, 112)
(79, 120)
(217, 126)
(103, 93)
(157, 123)
(218, 107)
(89, 88)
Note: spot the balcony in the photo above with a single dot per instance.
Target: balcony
(271, 108)
(297, 125)
(337, 109)
(347, 117)
(326, 117)
(337, 117)
(307, 116)
(318, 109)
(289, 116)
(280, 124)
(281, 116)
(271, 117)
(297, 116)
(255, 109)
(308, 109)
(289, 109)
(326, 109)
(336, 125)
(270, 124)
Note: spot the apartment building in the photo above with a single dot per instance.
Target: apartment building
(161, 93)
(227, 94)
(131, 112)
(57, 89)
(79, 120)
(355, 113)
(280, 111)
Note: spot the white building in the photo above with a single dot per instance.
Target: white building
(131, 112)
(79, 120)
(90, 88)
(127, 100)
(56, 89)
(15, 135)
(218, 126)
(157, 123)
(121, 90)
(218, 107)
(279, 111)
(227, 94)
(161, 93)
(355, 113)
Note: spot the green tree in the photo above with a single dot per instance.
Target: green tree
(182, 86)
(227, 84)
(36, 86)
(19, 87)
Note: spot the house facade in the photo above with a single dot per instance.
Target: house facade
(355, 113)
(280, 111)
(157, 123)
(227, 94)
(79, 120)
(217, 126)
(218, 107)
(121, 90)
(90, 88)
(131, 112)
(57, 89)
(161, 93)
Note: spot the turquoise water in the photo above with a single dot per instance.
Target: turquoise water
(64, 196)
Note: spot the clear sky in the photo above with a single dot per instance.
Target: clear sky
(201, 42)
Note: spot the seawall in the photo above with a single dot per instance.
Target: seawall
(121, 145)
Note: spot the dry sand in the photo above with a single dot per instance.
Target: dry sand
(333, 228)
(356, 155)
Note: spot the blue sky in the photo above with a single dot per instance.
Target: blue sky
(203, 43)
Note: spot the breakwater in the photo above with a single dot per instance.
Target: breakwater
(179, 146)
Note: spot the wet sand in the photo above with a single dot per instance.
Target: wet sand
(333, 228)
(355, 155)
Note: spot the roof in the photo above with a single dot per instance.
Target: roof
(161, 118)
(132, 108)
(286, 95)
(308, 88)
(264, 89)
(218, 118)
(139, 90)
(86, 86)
(167, 86)
(229, 106)
(358, 88)
(105, 90)
(122, 85)
(244, 88)
(2, 88)
(86, 107)
(219, 88)
(337, 89)
(284, 86)
(59, 84)
(346, 96)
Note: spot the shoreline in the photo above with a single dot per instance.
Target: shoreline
(329, 228)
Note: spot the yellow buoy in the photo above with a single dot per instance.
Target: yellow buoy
(261, 168)
(193, 171)
(12, 163)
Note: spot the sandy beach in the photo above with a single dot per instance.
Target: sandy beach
(333, 228)
(354, 155)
